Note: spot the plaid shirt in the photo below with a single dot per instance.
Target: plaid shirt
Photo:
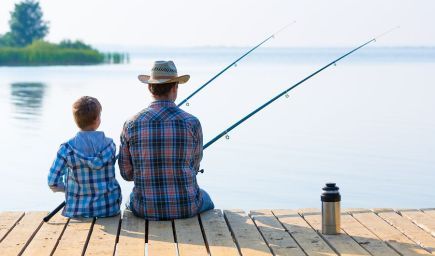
(161, 148)
(91, 188)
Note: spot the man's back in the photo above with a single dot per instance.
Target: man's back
(161, 148)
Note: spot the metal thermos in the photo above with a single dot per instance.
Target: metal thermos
(330, 209)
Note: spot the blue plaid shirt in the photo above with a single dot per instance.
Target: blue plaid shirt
(161, 148)
(87, 164)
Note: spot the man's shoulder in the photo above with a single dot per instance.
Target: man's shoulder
(188, 117)
(141, 115)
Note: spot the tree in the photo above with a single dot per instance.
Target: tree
(26, 23)
(6, 40)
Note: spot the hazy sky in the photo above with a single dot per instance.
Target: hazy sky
(235, 22)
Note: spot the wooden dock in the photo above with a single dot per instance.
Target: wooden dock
(229, 232)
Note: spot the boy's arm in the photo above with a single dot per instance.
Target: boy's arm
(124, 160)
(57, 172)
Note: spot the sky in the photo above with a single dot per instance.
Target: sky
(235, 23)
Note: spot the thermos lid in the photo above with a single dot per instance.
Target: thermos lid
(330, 193)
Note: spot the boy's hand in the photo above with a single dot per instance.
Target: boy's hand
(59, 188)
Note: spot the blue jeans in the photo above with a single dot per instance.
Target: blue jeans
(207, 203)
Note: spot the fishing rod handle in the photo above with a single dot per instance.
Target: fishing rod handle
(51, 214)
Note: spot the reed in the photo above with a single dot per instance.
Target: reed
(41, 53)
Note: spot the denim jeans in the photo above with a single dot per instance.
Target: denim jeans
(207, 203)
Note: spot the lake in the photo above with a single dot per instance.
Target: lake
(367, 124)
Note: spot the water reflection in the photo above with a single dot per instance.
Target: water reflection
(27, 98)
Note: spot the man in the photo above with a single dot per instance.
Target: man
(161, 149)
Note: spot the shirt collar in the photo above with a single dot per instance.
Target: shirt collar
(162, 103)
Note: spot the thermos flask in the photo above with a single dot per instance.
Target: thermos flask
(330, 209)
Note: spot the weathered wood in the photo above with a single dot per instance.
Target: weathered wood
(306, 237)
(161, 238)
(217, 234)
(103, 238)
(430, 211)
(341, 243)
(277, 238)
(365, 237)
(47, 237)
(8, 221)
(388, 233)
(246, 234)
(75, 237)
(132, 236)
(421, 219)
(408, 228)
(189, 237)
(22, 233)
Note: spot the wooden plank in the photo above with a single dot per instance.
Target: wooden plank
(246, 234)
(218, 236)
(104, 235)
(21, 235)
(430, 211)
(47, 237)
(408, 228)
(277, 238)
(365, 237)
(161, 238)
(306, 237)
(421, 219)
(389, 234)
(132, 236)
(341, 243)
(189, 237)
(8, 221)
(74, 238)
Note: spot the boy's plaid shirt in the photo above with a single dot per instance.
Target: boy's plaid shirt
(161, 148)
(91, 187)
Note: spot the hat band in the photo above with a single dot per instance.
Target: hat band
(163, 77)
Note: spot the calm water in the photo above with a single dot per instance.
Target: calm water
(367, 124)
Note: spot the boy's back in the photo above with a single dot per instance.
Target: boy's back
(86, 163)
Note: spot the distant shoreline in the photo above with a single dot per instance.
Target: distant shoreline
(48, 54)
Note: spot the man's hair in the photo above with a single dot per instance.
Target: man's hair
(161, 89)
(86, 110)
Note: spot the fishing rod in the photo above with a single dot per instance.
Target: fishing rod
(285, 92)
(234, 63)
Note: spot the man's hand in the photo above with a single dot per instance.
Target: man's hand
(59, 188)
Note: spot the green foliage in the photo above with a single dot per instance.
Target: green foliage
(26, 23)
(43, 53)
(6, 40)
(23, 45)
(74, 45)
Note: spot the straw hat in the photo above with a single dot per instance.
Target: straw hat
(163, 72)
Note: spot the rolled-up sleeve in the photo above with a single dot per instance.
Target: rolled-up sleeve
(124, 160)
(58, 168)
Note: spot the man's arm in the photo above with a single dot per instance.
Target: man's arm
(197, 153)
(57, 172)
(124, 160)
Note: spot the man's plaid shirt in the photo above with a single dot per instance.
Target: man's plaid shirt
(161, 148)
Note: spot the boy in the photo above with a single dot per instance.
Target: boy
(87, 165)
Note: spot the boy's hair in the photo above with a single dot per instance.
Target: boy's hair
(86, 110)
(161, 89)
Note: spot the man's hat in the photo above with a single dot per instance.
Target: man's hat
(163, 72)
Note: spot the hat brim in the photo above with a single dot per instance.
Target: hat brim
(147, 79)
